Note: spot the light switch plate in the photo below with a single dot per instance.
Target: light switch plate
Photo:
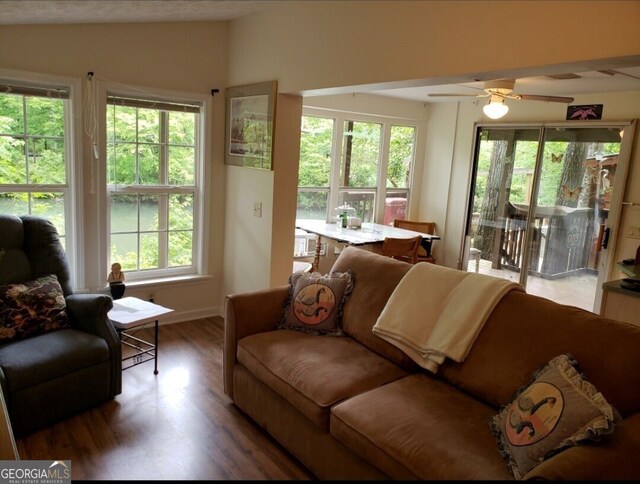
(257, 209)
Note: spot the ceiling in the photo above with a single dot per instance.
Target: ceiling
(583, 82)
(17, 12)
(105, 11)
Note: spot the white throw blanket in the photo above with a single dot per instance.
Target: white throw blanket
(436, 312)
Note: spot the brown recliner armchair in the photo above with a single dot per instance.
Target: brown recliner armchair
(51, 376)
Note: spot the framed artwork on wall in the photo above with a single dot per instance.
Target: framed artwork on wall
(250, 118)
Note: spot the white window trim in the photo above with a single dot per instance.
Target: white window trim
(201, 193)
(74, 213)
(339, 118)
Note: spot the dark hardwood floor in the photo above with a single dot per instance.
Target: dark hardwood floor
(176, 425)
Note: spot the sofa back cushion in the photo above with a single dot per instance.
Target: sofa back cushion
(14, 265)
(524, 332)
(374, 279)
(30, 248)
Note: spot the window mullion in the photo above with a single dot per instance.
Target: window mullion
(137, 141)
(163, 202)
(336, 164)
(27, 145)
(383, 165)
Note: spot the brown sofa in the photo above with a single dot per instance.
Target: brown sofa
(355, 407)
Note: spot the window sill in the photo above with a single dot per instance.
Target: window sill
(163, 281)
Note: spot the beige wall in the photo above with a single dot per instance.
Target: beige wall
(331, 47)
(317, 48)
(188, 57)
(259, 250)
(286, 154)
(309, 45)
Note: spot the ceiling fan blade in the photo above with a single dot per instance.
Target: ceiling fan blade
(551, 99)
(449, 94)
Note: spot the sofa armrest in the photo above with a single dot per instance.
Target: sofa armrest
(614, 457)
(246, 314)
(88, 313)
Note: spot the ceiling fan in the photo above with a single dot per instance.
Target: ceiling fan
(500, 89)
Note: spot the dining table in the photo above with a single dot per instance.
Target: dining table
(368, 234)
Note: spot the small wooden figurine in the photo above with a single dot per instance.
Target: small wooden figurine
(116, 281)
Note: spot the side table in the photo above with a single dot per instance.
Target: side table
(129, 313)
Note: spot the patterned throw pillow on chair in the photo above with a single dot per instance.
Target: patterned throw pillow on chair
(315, 302)
(559, 408)
(31, 308)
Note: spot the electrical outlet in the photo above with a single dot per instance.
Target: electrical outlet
(257, 209)
(633, 232)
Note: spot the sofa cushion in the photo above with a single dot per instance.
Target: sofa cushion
(524, 332)
(31, 308)
(314, 372)
(558, 409)
(45, 252)
(14, 265)
(315, 302)
(36, 360)
(420, 427)
(376, 277)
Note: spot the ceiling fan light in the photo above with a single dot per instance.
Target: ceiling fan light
(496, 108)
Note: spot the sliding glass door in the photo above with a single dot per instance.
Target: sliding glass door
(540, 200)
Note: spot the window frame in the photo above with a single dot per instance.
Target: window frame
(200, 189)
(72, 189)
(335, 188)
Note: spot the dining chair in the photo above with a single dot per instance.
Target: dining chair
(424, 252)
(402, 249)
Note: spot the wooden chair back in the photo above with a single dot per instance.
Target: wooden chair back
(424, 227)
(402, 249)
(424, 253)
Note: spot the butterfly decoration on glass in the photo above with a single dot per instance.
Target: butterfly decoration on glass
(556, 158)
(571, 194)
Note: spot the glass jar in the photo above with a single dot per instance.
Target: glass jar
(344, 211)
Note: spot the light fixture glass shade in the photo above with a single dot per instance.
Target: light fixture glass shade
(496, 108)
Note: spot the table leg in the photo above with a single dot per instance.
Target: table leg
(316, 257)
(155, 359)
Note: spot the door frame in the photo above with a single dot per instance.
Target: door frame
(606, 264)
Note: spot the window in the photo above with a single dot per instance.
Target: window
(344, 159)
(35, 153)
(359, 167)
(153, 166)
(314, 174)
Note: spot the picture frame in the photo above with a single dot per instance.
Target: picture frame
(250, 121)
